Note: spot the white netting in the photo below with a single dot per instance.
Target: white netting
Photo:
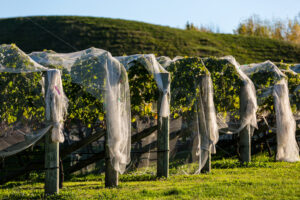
(271, 81)
(293, 79)
(23, 104)
(211, 117)
(105, 78)
(56, 104)
(287, 147)
(14, 60)
(144, 106)
(166, 61)
(207, 114)
(153, 67)
(192, 102)
(248, 95)
(296, 68)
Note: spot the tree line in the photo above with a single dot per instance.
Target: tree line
(286, 30)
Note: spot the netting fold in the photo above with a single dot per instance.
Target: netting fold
(270, 81)
(207, 121)
(165, 61)
(296, 68)
(56, 104)
(287, 147)
(210, 111)
(247, 95)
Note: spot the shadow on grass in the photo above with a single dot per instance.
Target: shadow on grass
(142, 177)
(11, 185)
(21, 196)
(174, 191)
(89, 186)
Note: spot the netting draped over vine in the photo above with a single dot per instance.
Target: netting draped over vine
(24, 107)
(192, 103)
(14, 60)
(105, 78)
(231, 87)
(270, 81)
(293, 79)
(167, 61)
(153, 67)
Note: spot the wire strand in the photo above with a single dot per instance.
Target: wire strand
(54, 35)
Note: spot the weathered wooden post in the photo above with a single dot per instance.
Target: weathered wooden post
(207, 166)
(245, 134)
(245, 144)
(111, 175)
(51, 154)
(163, 134)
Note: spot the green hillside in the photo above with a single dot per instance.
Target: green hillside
(70, 33)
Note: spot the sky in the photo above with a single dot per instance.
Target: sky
(224, 14)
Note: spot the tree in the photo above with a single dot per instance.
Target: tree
(288, 30)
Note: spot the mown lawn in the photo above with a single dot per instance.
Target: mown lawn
(262, 179)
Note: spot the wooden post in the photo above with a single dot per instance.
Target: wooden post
(245, 134)
(207, 166)
(245, 144)
(163, 134)
(111, 175)
(51, 157)
(61, 174)
(3, 171)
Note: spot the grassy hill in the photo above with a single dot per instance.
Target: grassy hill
(70, 33)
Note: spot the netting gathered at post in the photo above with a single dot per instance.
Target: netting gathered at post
(229, 83)
(293, 79)
(273, 95)
(24, 106)
(56, 104)
(192, 106)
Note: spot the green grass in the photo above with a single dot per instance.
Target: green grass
(70, 33)
(262, 179)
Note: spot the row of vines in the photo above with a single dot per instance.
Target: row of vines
(22, 96)
(84, 107)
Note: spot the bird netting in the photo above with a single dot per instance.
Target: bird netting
(145, 79)
(193, 114)
(296, 68)
(167, 61)
(273, 95)
(97, 87)
(293, 79)
(154, 68)
(28, 108)
(234, 95)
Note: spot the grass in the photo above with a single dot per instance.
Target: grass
(72, 33)
(262, 179)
